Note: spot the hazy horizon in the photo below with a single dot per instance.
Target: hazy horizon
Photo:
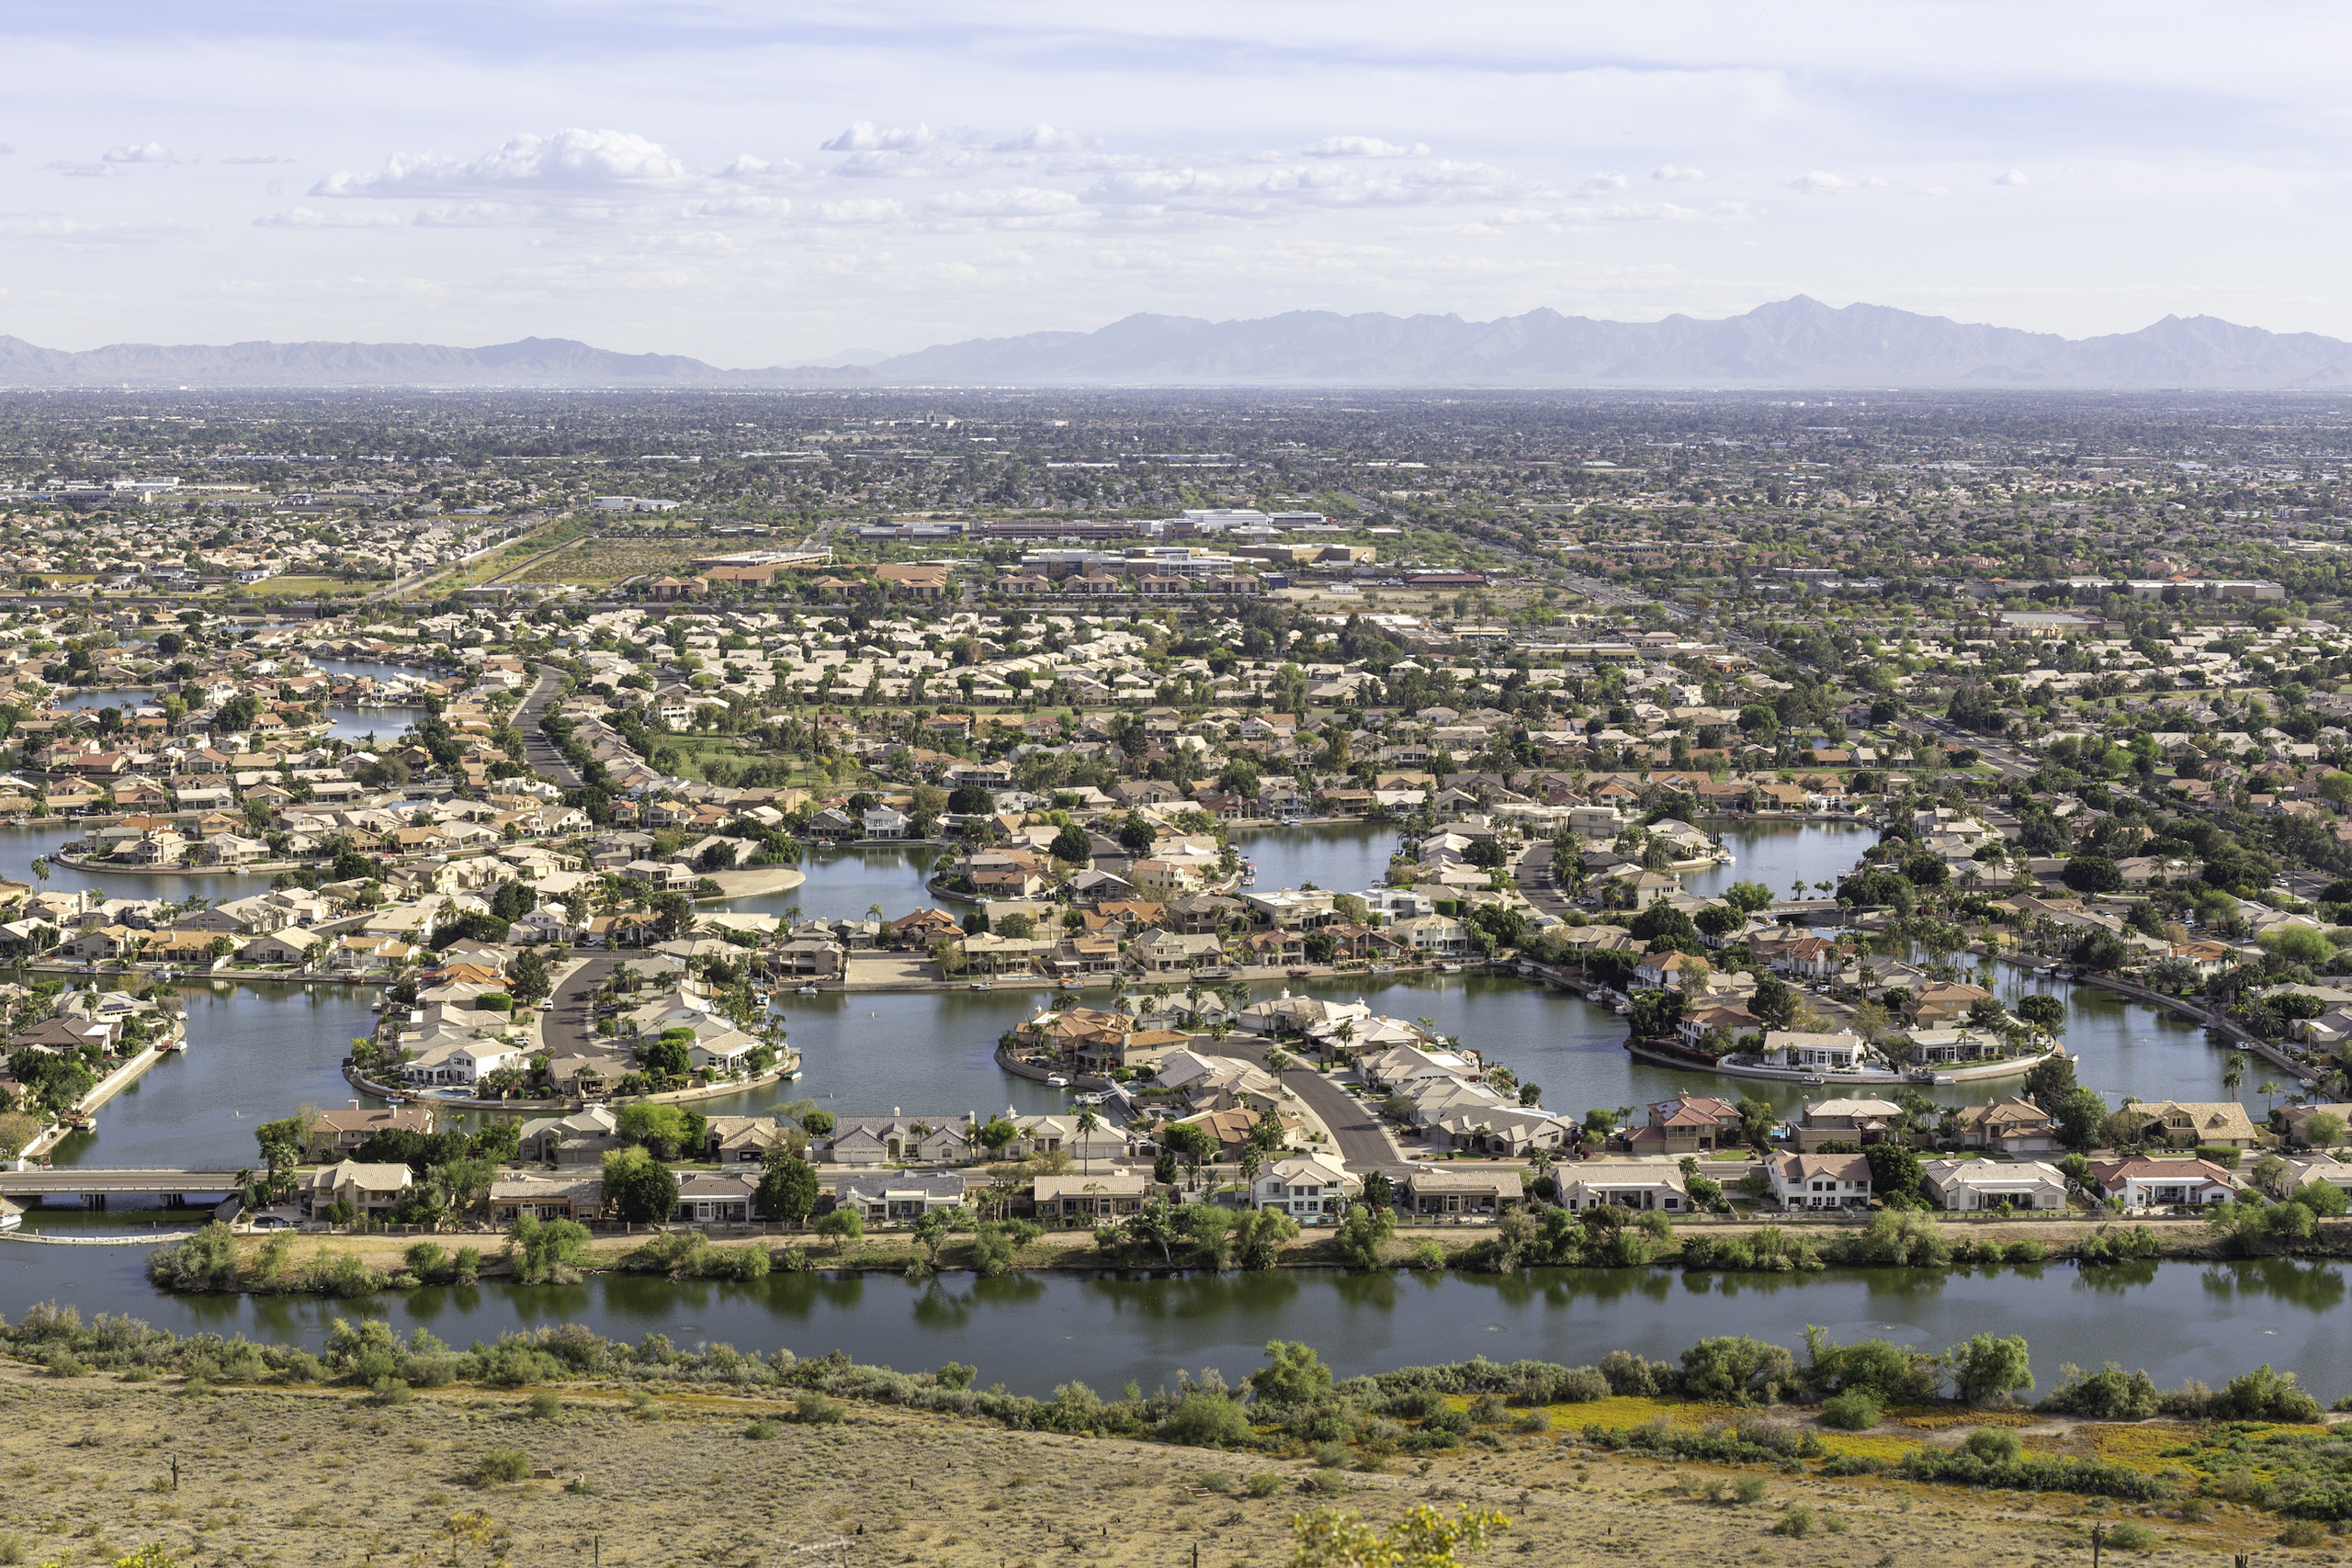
(756, 188)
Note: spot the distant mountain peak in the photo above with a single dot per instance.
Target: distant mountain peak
(1796, 342)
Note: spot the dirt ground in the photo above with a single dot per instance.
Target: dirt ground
(321, 1476)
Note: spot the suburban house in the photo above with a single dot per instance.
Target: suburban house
(2188, 1126)
(347, 1129)
(584, 1137)
(2141, 1181)
(707, 1196)
(1861, 1121)
(514, 1194)
(1459, 1192)
(1311, 1189)
(1977, 1184)
(743, 1140)
(1109, 1194)
(1819, 1181)
(898, 1195)
(2010, 1126)
(1505, 1130)
(369, 1188)
(2293, 1120)
(1629, 1184)
(1840, 1053)
(1688, 1125)
(899, 1140)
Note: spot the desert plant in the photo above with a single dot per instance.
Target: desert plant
(502, 1464)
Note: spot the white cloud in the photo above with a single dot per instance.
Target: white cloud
(76, 232)
(2014, 177)
(1040, 137)
(1363, 147)
(871, 210)
(77, 169)
(140, 153)
(1820, 182)
(5, 149)
(310, 218)
(570, 160)
(750, 166)
(1601, 185)
(469, 215)
(1020, 201)
(239, 161)
(1677, 172)
(739, 206)
(865, 136)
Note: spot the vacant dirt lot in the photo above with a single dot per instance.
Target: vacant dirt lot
(322, 1477)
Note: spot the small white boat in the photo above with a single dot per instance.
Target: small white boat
(979, 985)
(806, 991)
(1056, 1081)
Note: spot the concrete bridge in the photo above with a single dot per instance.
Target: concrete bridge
(93, 1186)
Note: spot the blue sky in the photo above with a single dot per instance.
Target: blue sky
(768, 183)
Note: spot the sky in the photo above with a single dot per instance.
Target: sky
(775, 182)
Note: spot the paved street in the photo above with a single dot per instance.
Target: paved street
(537, 748)
(570, 1028)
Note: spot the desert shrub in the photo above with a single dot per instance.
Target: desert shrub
(1428, 1254)
(1748, 1489)
(1205, 1420)
(390, 1391)
(1795, 1521)
(543, 1406)
(2026, 1252)
(1995, 1445)
(1856, 1410)
(1265, 1483)
(761, 1430)
(1628, 1374)
(2131, 1535)
(62, 1363)
(503, 1464)
(2108, 1394)
(1214, 1480)
(817, 1410)
(2304, 1532)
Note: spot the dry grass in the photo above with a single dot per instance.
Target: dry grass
(302, 1477)
(610, 560)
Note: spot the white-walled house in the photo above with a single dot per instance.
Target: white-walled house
(1978, 1184)
(1819, 1181)
(1311, 1189)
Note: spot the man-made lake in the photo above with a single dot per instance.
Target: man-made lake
(2176, 1320)
(1781, 855)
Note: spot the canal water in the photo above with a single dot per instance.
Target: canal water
(2178, 1320)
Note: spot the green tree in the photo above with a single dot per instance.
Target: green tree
(546, 1252)
(1072, 846)
(639, 1189)
(2080, 1116)
(2045, 1013)
(1986, 1369)
(1294, 1375)
(788, 1191)
(1363, 1235)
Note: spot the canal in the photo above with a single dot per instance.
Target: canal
(2178, 1320)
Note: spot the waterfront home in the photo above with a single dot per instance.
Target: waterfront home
(1144, 1050)
(584, 1137)
(897, 1139)
(1866, 1120)
(2141, 1181)
(2293, 1120)
(1840, 1053)
(1630, 1184)
(291, 945)
(1819, 1181)
(743, 1140)
(350, 1127)
(1978, 1184)
(1688, 1125)
(371, 1190)
(1230, 1129)
(1506, 1130)
(514, 1194)
(2319, 1168)
(898, 1195)
(2009, 1126)
(1460, 1191)
(1215, 1082)
(705, 1197)
(1311, 1189)
(1101, 1196)
(1721, 1020)
(2197, 1124)
(1400, 1065)
(1939, 1001)
(724, 1052)
(1959, 1043)
(588, 1075)
(1429, 1101)
(460, 1058)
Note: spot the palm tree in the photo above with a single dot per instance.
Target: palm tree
(2268, 1089)
(40, 868)
(2233, 1073)
(1087, 1124)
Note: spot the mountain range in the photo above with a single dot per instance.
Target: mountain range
(1795, 342)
